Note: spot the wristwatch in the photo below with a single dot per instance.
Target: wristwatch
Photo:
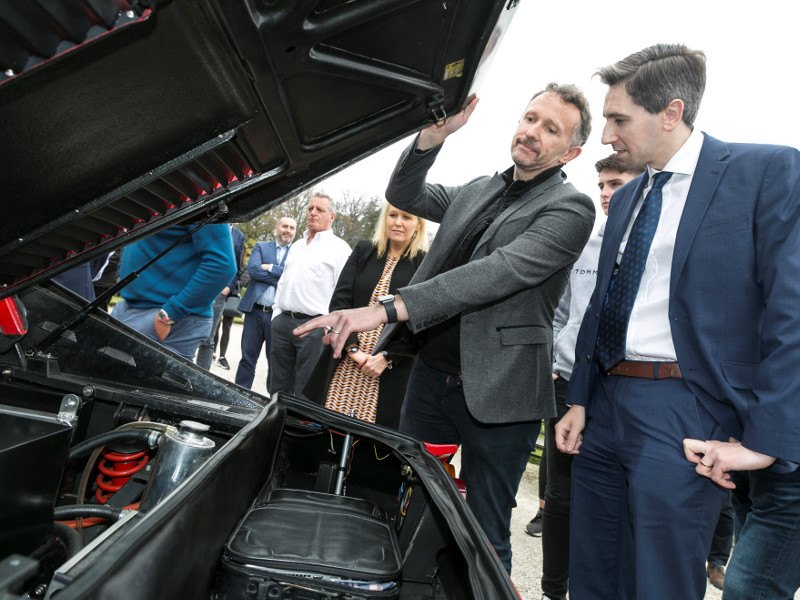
(388, 303)
(385, 355)
(163, 316)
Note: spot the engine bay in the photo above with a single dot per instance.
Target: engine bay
(137, 487)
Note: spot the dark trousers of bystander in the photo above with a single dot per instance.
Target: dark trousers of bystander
(292, 359)
(493, 457)
(256, 334)
(555, 522)
(224, 334)
(722, 542)
(206, 351)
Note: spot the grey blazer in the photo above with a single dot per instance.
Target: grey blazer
(507, 292)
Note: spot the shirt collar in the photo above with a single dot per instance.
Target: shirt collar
(320, 235)
(684, 161)
(508, 177)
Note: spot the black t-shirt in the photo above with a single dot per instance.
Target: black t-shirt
(441, 349)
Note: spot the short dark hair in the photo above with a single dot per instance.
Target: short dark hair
(613, 163)
(655, 76)
(571, 94)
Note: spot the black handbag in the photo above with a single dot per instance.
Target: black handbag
(231, 308)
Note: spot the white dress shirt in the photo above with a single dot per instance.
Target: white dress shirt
(649, 333)
(310, 273)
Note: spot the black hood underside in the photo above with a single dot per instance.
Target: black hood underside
(121, 117)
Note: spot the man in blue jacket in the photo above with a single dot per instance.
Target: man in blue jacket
(692, 337)
(171, 301)
(265, 268)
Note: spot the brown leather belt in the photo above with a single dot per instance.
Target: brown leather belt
(647, 369)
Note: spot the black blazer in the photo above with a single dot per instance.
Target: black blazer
(354, 289)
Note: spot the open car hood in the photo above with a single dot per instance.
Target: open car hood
(121, 117)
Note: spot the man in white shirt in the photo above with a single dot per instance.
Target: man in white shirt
(304, 291)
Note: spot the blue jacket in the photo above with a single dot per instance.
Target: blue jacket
(260, 280)
(734, 304)
(188, 278)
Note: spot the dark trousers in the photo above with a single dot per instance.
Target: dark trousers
(740, 498)
(722, 542)
(493, 457)
(641, 519)
(224, 332)
(256, 333)
(206, 349)
(555, 521)
(292, 359)
(543, 471)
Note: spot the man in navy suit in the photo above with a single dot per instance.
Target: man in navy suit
(265, 268)
(709, 353)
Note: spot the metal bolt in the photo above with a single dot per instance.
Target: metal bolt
(87, 391)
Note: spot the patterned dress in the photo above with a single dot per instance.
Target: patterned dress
(350, 391)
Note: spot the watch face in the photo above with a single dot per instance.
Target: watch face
(386, 298)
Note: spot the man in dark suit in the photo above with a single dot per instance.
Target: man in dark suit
(485, 296)
(265, 268)
(703, 343)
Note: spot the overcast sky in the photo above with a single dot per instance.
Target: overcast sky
(752, 91)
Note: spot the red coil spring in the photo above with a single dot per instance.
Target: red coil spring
(116, 469)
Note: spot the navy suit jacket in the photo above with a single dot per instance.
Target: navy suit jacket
(734, 305)
(260, 280)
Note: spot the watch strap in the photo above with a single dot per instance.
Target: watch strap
(391, 311)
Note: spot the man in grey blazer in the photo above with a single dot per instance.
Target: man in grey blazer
(485, 297)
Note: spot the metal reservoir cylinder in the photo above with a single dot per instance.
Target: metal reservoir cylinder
(180, 453)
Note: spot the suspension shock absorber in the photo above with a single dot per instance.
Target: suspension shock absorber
(118, 463)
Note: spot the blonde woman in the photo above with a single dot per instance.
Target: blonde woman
(369, 387)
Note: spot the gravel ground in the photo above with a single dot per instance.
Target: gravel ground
(527, 561)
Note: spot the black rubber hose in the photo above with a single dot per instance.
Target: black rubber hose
(70, 537)
(83, 511)
(86, 447)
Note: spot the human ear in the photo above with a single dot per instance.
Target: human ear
(673, 114)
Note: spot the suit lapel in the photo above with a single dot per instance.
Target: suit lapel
(449, 236)
(522, 203)
(707, 175)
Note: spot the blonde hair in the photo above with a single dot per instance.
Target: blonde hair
(380, 239)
